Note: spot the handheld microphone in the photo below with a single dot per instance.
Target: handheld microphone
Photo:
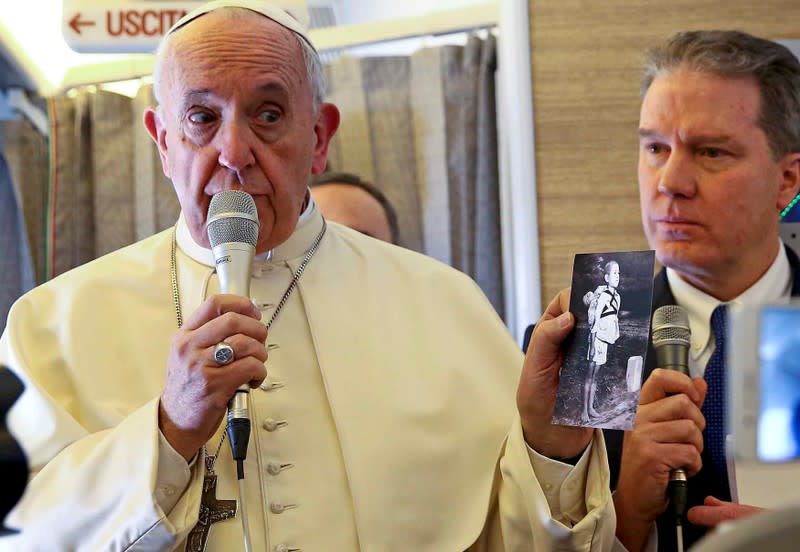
(232, 226)
(671, 340)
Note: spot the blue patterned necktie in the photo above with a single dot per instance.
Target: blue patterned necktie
(714, 405)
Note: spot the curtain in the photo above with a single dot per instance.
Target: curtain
(18, 266)
(156, 205)
(23, 190)
(106, 185)
(421, 128)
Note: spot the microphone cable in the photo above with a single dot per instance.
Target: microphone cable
(678, 492)
(246, 522)
(238, 430)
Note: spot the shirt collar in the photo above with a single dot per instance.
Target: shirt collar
(308, 226)
(774, 286)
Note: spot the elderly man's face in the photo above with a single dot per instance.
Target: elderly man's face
(709, 187)
(237, 113)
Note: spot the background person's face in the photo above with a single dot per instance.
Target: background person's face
(709, 188)
(353, 207)
(237, 114)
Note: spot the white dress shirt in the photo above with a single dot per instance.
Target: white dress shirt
(773, 287)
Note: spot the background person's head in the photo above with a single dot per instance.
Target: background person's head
(718, 158)
(240, 107)
(348, 200)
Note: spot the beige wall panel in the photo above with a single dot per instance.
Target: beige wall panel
(586, 60)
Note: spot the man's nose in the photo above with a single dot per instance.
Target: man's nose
(678, 176)
(235, 146)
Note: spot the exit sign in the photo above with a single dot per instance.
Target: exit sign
(134, 26)
(123, 26)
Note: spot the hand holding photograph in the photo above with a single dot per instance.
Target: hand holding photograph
(602, 370)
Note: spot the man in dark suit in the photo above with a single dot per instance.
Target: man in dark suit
(719, 159)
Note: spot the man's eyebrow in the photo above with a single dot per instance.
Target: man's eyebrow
(273, 87)
(202, 94)
(647, 133)
(708, 138)
(194, 95)
(711, 139)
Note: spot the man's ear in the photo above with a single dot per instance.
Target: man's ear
(158, 132)
(324, 129)
(790, 180)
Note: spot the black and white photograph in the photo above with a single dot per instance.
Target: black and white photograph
(602, 371)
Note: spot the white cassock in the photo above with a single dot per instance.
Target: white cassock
(388, 420)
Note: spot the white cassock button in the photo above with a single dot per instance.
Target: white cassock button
(274, 468)
(277, 508)
(268, 385)
(271, 424)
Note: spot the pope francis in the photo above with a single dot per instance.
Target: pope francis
(388, 407)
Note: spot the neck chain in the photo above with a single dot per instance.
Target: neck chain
(176, 299)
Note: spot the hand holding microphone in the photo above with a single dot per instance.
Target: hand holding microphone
(232, 226)
(199, 388)
(667, 435)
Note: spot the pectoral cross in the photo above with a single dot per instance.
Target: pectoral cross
(211, 511)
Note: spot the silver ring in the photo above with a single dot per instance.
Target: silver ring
(223, 353)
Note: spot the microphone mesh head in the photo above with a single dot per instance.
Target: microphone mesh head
(232, 217)
(235, 201)
(671, 325)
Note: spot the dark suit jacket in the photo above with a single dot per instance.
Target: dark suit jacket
(702, 484)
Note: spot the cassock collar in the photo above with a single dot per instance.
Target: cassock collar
(308, 226)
